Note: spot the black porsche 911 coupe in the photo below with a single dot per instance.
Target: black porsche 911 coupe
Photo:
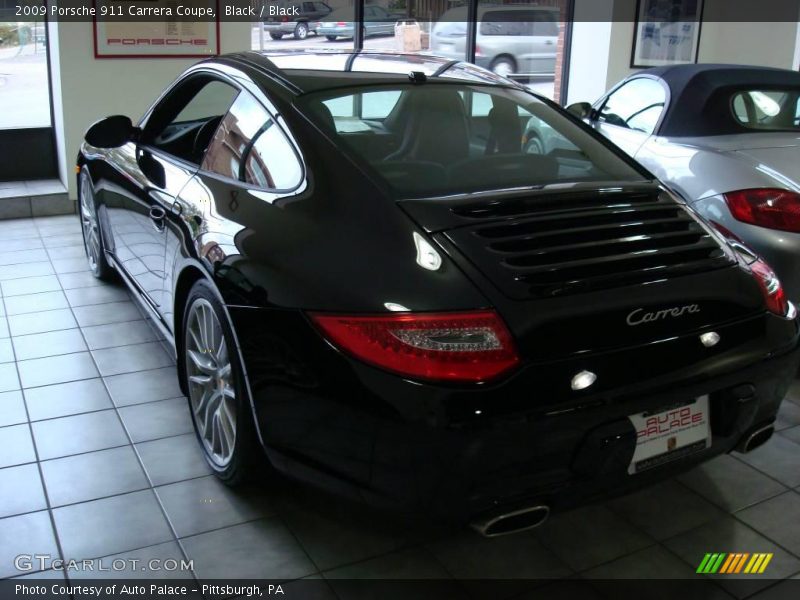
(364, 271)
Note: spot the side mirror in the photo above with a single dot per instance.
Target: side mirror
(582, 110)
(111, 132)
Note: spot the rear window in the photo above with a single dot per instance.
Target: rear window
(775, 110)
(439, 139)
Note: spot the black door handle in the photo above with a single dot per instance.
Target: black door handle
(157, 216)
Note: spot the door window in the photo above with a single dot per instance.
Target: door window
(250, 146)
(183, 124)
(636, 105)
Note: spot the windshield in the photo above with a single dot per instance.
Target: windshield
(437, 139)
(771, 110)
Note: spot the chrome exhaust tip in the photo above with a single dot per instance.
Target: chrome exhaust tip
(755, 438)
(511, 522)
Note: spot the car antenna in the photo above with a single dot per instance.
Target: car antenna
(417, 77)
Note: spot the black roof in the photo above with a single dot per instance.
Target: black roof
(700, 95)
(304, 71)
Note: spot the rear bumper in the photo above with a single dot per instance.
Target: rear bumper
(372, 436)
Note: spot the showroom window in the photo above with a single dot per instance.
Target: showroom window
(249, 146)
(636, 105)
(767, 109)
(520, 39)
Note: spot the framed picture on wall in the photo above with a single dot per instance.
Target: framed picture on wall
(666, 32)
(172, 37)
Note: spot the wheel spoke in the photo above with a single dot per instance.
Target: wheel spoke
(202, 361)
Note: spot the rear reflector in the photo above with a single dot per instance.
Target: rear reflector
(771, 288)
(468, 347)
(766, 207)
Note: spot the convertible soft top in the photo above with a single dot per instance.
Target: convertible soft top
(709, 87)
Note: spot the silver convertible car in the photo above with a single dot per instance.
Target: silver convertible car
(726, 138)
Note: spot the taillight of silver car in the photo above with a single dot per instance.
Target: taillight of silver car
(456, 347)
(766, 207)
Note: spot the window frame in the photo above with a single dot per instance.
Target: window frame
(598, 107)
(276, 122)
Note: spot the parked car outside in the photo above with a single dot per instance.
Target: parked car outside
(305, 20)
(511, 40)
(365, 277)
(725, 137)
(339, 24)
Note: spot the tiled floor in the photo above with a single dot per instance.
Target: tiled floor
(97, 461)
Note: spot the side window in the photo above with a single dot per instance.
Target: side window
(349, 112)
(184, 122)
(637, 105)
(249, 146)
(308, 7)
(544, 23)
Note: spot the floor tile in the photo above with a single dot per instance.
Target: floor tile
(16, 446)
(56, 369)
(12, 408)
(30, 243)
(730, 483)
(67, 252)
(66, 399)
(93, 475)
(37, 532)
(78, 433)
(729, 535)
(35, 269)
(666, 509)
(137, 561)
(470, 556)
(779, 458)
(262, 549)
(778, 519)
(68, 265)
(21, 490)
(793, 434)
(582, 547)
(111, 525)
(173, 459)
(335, 533)
(6, 351)
(30, 285)
(30, 303)
(157, 419)
(129, 359)
(101, 314)
(97, 295)
(8, 377)
(788, 416)
(4, 332)
(144, 386)
(416, 564)
(63, 239)
(203, 504)
(50, 320)
(118, 334)
(51, 343)
(78, 280)
(21, 257)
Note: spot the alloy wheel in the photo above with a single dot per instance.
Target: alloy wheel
(91, 230)
(212, 393)
(503, 68)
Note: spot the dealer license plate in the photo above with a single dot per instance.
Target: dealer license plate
(670, 434)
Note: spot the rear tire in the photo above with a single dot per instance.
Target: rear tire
(90, 227)
(331, 38)
(276, 36)
(503, 66)
(218, 396)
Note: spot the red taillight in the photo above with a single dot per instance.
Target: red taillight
(771, 288)
(766, 207)
(341, 24)
(478, 51)
(456, 347)
(285, 19)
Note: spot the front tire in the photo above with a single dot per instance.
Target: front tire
(276, 36)
(90, 226)
(218, 397)
(331, 38)
(301, 31)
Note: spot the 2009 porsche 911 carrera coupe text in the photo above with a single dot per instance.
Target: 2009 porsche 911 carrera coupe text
(365, 272)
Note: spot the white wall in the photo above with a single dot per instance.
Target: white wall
(86, 89)
(755, 43)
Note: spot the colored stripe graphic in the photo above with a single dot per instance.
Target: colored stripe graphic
(740, 564)
(729, 562)
(711, 562)
(735, 562)
(767, 558)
